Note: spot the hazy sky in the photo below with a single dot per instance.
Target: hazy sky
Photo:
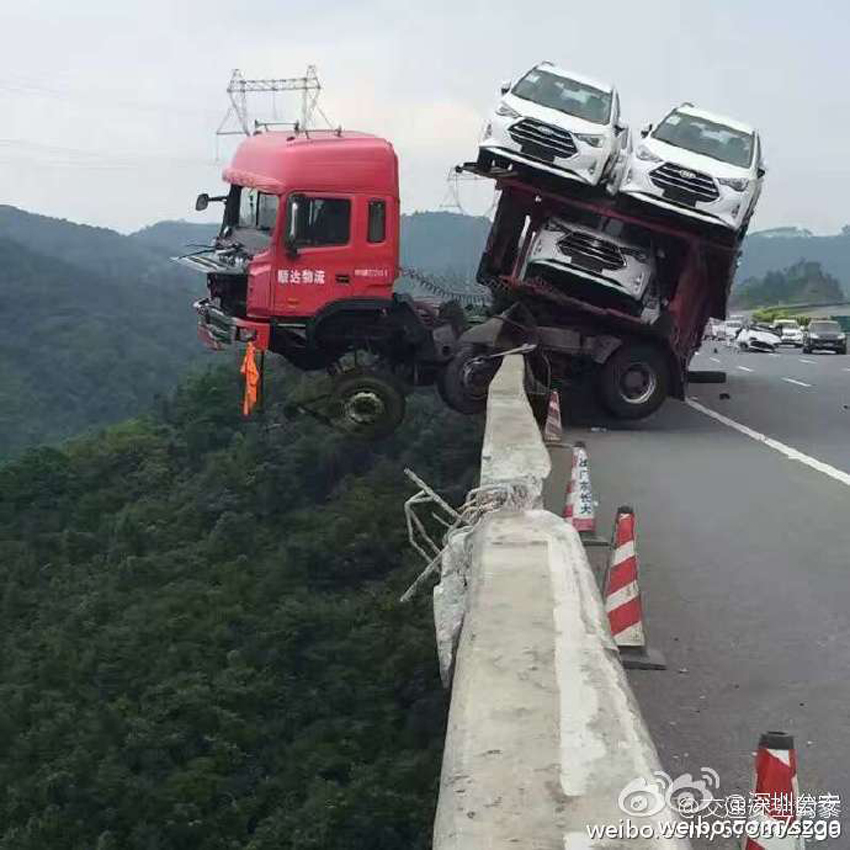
(109, 107)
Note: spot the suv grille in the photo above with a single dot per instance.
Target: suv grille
(684, 185)
(590, 252)
(535, 134)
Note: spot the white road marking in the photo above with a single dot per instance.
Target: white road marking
(745, 369)
(790, 453)
(798, 383)
(773, 354)
(846, 369)
(714, 359)
(803, 360)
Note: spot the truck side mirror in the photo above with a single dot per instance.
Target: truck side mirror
(645, 130)
(202, 202)
(505, 87)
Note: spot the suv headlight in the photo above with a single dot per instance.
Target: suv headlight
(842, 336)
(593, 141)
(646, 154)
(506, 112)
(739, 184)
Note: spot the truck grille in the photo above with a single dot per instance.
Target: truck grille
(590, 252)
(535, 134)
(684, 185)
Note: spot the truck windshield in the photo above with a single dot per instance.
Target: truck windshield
(249, 217)
(565, 95)
(707, 138)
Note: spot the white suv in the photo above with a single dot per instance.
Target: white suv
(609, 264)
(556, 121)
(700, 165)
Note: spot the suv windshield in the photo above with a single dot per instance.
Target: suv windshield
(825, 327)
(707, 138)
(565, 95)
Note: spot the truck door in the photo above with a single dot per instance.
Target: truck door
(317, 255)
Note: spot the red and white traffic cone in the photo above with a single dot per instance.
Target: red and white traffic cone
(775, 799)
(580, 509)
(622, 597)
(553, 431)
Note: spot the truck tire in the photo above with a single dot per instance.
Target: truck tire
(634, 381)
(367, 404)
(465, 380)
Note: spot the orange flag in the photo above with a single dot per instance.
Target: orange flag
(252, 380)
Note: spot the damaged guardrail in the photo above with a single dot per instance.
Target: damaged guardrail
(544, 736)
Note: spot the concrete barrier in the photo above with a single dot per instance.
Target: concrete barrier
(544, 733)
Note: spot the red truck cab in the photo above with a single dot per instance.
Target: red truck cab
(311, 221)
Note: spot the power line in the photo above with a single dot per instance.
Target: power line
(237, 121)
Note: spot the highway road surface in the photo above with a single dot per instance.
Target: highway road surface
(743, 511)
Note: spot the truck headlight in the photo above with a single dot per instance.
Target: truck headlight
(739, 184)
(593, 141)
(645, 154)
(506, 112)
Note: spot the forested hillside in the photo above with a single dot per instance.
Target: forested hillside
(802, 283)
(99, 323)
(202, 647)
(80, 347)
(775, 250)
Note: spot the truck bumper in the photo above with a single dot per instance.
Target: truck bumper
(217, 329)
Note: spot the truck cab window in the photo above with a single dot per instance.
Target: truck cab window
(315, 222)
(257, 210)
(377, 221)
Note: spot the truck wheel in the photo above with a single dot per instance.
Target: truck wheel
(367, 404)
(464, 382)
(634, 381)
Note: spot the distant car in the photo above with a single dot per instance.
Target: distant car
(757, 338)
(789, 331)
(611, 265)
(556, 121)
(716, 329)
(825, 335)
(731, 329)
(700, 165)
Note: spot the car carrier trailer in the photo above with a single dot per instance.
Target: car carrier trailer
(307, 258)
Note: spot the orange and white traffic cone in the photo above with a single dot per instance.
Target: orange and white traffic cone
(774, 803)
(553, 431)
(623, 600)
(580, 509)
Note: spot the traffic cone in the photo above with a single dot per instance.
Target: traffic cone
(580, 509)
(553, 431)
(776, 791)
(622, 598)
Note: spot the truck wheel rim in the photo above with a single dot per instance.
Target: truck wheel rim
(364, 408)
(476, 377)
(638, 383)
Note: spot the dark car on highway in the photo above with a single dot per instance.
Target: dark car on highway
(825, 335)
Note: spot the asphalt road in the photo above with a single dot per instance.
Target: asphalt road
(744, 549)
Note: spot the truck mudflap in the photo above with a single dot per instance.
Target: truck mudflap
(217, 329)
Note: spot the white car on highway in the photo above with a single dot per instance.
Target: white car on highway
(556, 121)
(789, 331)
(731, 328)
(700, 165)
(757, 338)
